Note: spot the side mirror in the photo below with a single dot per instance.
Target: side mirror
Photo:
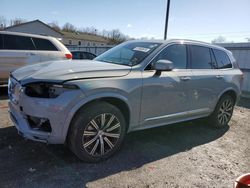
(162, 65)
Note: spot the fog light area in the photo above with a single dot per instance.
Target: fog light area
(41, 124)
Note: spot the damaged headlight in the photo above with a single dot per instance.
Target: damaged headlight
(47, 90)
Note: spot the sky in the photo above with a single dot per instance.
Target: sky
(202, 20)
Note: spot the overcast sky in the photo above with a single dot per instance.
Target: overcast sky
(193, 19)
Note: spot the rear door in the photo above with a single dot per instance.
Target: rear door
(15, 53)
(204, 86)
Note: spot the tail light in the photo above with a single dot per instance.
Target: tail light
(68, 56)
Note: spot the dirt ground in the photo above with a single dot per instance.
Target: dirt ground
(182, 155)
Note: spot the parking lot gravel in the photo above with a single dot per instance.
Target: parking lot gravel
(190, 154)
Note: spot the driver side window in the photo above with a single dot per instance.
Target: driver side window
(177, 53)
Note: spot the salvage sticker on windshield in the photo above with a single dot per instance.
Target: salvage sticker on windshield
(141, 49)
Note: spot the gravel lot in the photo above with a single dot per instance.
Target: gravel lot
(182, 155)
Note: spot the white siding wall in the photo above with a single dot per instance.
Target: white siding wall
(84, 43)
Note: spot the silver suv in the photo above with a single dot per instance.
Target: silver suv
(91, 105)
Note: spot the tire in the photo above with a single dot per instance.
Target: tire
(97, 132)
(223, 112)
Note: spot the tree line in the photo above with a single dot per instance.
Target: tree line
(114, 36)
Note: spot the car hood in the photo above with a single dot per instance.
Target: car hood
(59, 71)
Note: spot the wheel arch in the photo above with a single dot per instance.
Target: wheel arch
(119, 101)
(230, 92)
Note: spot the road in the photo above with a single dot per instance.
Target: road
(190, 154)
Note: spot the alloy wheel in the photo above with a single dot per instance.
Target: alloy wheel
(101, 134)
(225, 112)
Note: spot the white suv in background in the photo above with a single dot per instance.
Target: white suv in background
(19, 49)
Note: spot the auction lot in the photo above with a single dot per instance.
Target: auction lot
(189, 154)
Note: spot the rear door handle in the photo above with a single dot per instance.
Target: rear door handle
(185, 78)
(219, 76)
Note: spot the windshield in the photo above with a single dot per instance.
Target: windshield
(129, 54)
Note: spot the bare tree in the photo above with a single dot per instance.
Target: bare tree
(17, 21)
(55, 26)
(89, 30)
(219, 39)
(115, 36)
(2, 23)
(69, 27)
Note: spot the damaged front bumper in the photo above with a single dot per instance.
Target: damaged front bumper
(41, 119)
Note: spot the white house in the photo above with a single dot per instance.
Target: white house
(71, 40)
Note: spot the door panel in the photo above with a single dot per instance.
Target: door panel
(204, 88)
(11, 60)
(164, 97)
(33, 57)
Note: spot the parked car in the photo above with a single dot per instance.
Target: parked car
(82, 55)
(19, 49)
(91, 105)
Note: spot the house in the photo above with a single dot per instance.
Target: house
(71, 40)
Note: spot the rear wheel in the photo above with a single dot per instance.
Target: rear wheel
(97, 132)
(223, 112)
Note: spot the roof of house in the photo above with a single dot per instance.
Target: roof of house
(70, 35)
(84, 36)
(33, 22)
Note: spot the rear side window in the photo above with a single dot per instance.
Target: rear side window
(43, 44)
(200, 57)
(1, 41)
(13, 42)
(222, 59)
(176, 53)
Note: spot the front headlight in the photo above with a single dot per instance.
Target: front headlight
(47, 90)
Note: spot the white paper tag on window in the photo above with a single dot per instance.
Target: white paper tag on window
(141, 49)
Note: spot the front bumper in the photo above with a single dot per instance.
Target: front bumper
(21, 123)
(56, 110)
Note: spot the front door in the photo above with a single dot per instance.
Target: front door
(164, 96)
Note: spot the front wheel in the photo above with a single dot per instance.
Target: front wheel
(223, 112)
(97, 132)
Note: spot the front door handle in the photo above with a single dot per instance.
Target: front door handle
(185, 78)
(219, 76)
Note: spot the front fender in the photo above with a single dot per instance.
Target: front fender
(86, 100)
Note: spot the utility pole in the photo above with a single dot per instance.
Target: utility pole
(166, 21)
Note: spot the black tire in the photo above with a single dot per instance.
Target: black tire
(84, 129)
(220, 117)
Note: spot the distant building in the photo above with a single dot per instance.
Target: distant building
(71, 40)
(241, 52)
